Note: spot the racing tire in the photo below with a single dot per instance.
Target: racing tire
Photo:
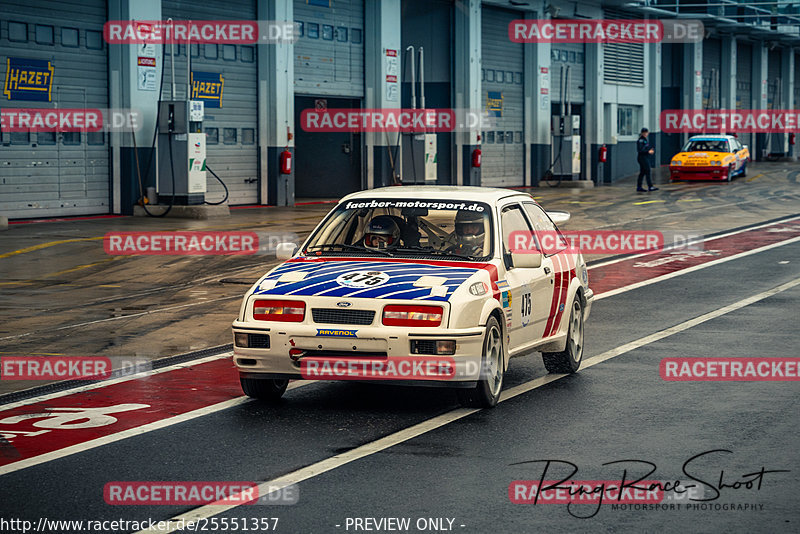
(569, 360)
(266, 389)
(743, 172)
(729, 177)
(487, 392)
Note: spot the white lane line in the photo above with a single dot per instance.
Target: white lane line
(131, 432)
(328, 464)
(705, 240)
(111, 382)
(693, 269)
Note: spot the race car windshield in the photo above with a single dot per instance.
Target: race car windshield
(451, 229)
(707, 145)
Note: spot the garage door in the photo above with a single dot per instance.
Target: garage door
(744, 65)
(796, 80)
(231, 141)
(502, 148)
(49, 174)
(712, 63)
(329, 56)
(568, 55)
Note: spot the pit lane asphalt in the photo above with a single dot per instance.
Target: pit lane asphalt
(619, 409)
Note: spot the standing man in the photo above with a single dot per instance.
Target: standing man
(643, 151)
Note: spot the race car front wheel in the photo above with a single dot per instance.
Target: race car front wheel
(487, 392)
(568, 360)
(729, 177)
(268, 389)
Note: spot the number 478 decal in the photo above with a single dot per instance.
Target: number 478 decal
(525, 308)
(362, 279)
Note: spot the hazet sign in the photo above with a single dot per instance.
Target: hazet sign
(28, 79)
(208, 86)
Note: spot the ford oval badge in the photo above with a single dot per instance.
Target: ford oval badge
(343, 304)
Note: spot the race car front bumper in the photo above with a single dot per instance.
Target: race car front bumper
(686, 172)
(280, 349)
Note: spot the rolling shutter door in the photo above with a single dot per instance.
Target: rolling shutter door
(796, 81)
(50, 174)
(503, 151)
(568, 55)
(712, 63)
(744, 66)
(231, 140)
(329, 55)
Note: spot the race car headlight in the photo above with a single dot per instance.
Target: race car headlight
(676, 162)
(402, 315)
(291, 311)
(716, 163)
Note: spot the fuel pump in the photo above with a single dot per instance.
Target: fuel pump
(566, 139)
(181, 152)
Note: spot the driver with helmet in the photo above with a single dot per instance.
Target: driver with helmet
(470, 234)
(383, 233)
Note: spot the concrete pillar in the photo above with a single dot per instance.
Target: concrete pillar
(538, 98)
(652, 110)
(276, 108)
(787, 91)
(759, 93)
(383, 58)
(692, 86)
(594, 120)
(727, 78)
(124, 92)
(467, 85)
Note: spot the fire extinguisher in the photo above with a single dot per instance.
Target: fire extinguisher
(476, 157)
(603, 156)
(791, 139)
(286, 162)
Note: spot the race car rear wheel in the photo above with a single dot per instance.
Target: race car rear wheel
(487, 392)
(268, 389)
(568, 360)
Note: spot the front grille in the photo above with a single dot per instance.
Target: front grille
(337, 316)
(258, 341)
(423, 346)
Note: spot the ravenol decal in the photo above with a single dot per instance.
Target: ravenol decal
(207, 86)
(28, 79)
(336, 333)
(502, 284)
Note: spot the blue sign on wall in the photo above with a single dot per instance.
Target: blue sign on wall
(207, 86)
(28, 79)
(494, 103)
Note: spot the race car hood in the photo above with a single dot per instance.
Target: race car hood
(392, 279)
(701, 158)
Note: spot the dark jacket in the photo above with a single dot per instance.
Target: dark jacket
(643, 148)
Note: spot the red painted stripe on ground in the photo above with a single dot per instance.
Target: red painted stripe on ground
(57, 423)
(630, 271)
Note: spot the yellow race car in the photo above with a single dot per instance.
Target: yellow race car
(710, 157)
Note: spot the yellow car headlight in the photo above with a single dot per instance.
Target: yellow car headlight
(716, 163)
(676, 162)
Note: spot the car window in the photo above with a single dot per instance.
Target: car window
(548, 235)
(515, 229)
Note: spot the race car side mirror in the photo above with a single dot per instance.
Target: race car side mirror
(527, 260)
(284, 251)
(558, 217)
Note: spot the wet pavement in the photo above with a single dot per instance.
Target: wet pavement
(63, 295)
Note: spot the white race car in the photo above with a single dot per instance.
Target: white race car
(417, 285)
